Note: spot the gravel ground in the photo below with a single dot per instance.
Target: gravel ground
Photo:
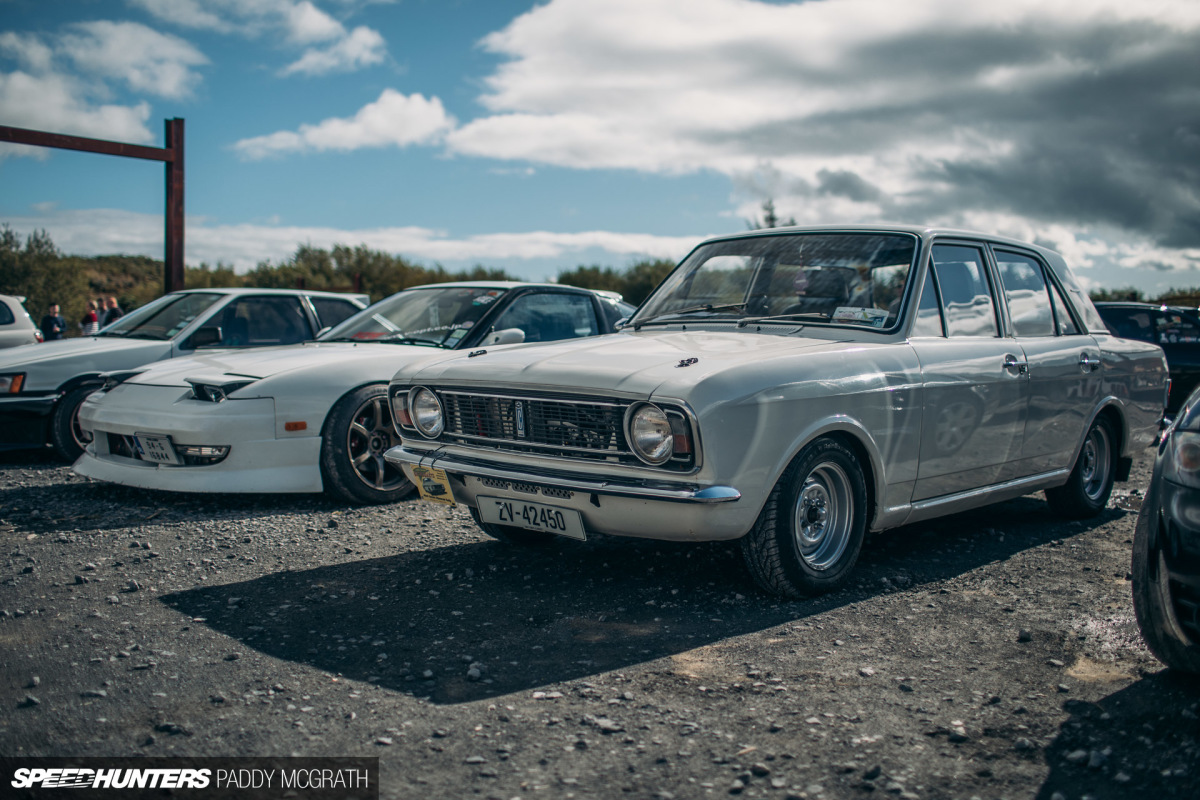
(992, 654)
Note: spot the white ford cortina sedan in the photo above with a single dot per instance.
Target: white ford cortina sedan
(795, 388)
(313, 416)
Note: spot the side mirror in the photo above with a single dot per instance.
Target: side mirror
(206, 337)
(506, 336)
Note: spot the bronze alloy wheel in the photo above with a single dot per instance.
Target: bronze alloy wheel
(357, 433)
(369, 436)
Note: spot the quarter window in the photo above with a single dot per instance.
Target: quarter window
(1025, 289)
(966, 298)
(332, 312)
(1063, 322)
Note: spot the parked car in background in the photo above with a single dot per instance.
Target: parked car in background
(1166, 546)
(795, 388)
(1175, 330)
(42, 387)
(313, 416)
(16, 326)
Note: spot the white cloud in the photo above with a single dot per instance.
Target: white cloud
(361, 48)
(1051, 110)
(329, 46)
(185, 13)
(306, 23)
(392, 120)
(30, 51)
(143, 58)
(108, 231)
(58, 103)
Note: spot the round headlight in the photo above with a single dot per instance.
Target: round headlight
(426, 412)
(650, 434)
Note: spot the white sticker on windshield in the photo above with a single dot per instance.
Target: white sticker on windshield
(875, 317)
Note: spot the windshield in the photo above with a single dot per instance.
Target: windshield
(437, 317)
(807, 278)
(164, 318)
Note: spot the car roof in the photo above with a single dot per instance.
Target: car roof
(252, 290)
(922, 231)
(616, 296)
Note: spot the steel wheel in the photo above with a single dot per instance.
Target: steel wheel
(1085, 494)
(368, 437)
(810, 531)
(824, 516)
(1094, 463)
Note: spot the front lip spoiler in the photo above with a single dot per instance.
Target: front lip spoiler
(672, 492)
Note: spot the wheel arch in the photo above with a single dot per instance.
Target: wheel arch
(329, 412)
(852, 435)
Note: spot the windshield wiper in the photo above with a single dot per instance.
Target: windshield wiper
(744, 321)
(400, 338)
(691, 310)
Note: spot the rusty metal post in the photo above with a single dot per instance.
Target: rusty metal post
(173, 264)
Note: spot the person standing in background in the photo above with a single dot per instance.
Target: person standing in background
(53, 325)
(91, 321)
(112, 312)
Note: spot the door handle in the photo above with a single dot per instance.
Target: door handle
(1088, 364)
(1014, 366)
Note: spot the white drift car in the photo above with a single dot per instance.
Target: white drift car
(312, 416)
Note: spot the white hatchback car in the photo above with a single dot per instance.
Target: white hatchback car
(42, 387)
(16, 326)
(313, 416)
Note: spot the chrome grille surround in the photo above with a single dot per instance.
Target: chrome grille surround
(576, 427)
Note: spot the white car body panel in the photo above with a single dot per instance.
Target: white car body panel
(297, 383)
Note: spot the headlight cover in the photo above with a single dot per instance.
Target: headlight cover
(649, 433)
(1181, 462)
(215, 391)
(12, 383)
(426, 411)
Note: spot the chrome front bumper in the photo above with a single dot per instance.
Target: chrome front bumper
(679, 493)
(617, 506)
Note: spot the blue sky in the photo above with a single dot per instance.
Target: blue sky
(539, 137)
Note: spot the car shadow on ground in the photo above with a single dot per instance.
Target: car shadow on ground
(1140, 740)
(80, 502)
(529, 617)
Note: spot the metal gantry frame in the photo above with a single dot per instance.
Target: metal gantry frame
(171, 155)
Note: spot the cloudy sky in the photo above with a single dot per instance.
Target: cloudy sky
(542, 136)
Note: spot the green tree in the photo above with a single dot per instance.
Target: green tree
(769, 218)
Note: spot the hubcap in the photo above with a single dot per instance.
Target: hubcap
(823, 516)
(369, 437)
(1094, 466)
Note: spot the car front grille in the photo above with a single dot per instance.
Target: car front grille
(581, 428)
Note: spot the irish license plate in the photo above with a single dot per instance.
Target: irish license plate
(156, 447)
(433, 485)
(532, 516)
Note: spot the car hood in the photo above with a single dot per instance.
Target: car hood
(638, 364)
(49, 364)
(268, 362)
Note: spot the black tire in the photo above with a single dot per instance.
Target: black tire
(1154, 601)
(810, 532)
(357, 433)
(1085, 494)
(509, 534)
(65, 434)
